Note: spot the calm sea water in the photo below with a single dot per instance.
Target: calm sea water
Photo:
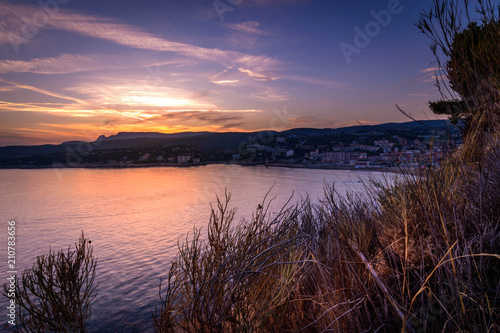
(134, 218)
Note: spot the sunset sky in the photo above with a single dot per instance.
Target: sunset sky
(76, 69)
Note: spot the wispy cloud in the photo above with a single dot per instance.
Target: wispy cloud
(77, 107)
(75, 63)
(240, 77)
(51, 108)
(148, 106)
(225, 81)
(429, 74)
(135, 93)
(249, 35)
(271, 95)
(316, 81)
(257, 76)
(18, 85)
(229, 76)
(65, 63)
(122, 34)
(250, 27)
(5, 89)
(426, 75)
(256, 84)
(300, 121)
(212, 117)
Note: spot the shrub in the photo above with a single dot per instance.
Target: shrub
(420, 254)
(55, 294)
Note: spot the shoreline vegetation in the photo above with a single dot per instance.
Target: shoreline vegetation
(319, 166)
(420, 254)
(403, 170)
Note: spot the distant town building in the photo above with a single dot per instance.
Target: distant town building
(256, 147)
(386, 145)
(315, 154)
(333, 157)
(145, 157)
(360, 163)
(183, 159)
(356, 156)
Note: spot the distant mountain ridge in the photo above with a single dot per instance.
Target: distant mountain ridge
(149, 135)
(214, 140)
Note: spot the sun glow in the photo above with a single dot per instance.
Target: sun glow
(152, 100)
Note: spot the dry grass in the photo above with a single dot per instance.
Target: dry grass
(55, 294)
(421, 254)
(258, 275)
(422, 257)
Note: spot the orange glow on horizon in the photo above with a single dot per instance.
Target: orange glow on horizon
(64, 133)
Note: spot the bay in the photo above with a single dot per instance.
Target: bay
(135, 218)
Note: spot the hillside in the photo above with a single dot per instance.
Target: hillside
(387, 145)
(205, 140)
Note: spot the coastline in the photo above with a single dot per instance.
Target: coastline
(396, 169)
